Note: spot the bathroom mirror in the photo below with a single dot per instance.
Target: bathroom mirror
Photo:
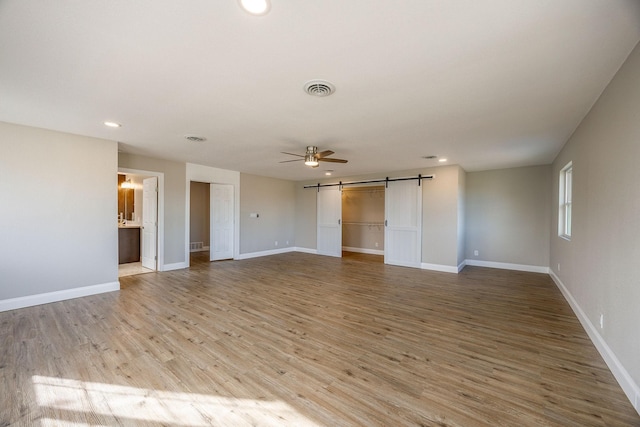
(126, 206)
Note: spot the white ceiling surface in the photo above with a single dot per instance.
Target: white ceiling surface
(487, 84)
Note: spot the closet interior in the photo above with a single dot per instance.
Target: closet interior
(363, 219)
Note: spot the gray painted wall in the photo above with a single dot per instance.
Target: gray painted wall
(462, 216)
(58, 211)
(507, 213)
(174, 200)
(306, 216)
(599, 266)
(440, 213)
(274, 201)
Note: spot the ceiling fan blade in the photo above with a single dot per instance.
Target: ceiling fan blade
(326, 159)
(325, 153)
(295, 160)
(292, 154)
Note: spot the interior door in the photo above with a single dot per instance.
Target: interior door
(150, 223)
(329, 217)
(221, 211)
(403, 224)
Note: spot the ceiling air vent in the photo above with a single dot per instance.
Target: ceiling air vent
(195, 138)
(319, 88)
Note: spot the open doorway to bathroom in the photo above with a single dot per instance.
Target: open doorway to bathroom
(137, 224)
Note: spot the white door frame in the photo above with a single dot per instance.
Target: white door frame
(160, 176)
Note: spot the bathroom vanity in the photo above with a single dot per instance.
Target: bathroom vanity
(128, 243)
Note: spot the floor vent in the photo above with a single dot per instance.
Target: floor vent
(196, 246)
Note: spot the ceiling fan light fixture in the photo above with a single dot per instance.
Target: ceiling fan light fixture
(310, 160)
(255, 7)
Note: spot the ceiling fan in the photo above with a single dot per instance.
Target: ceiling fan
(312, 157)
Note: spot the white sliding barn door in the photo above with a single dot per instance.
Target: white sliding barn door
(221, 223)
(329, 237)
(150, 223)
(403, 224)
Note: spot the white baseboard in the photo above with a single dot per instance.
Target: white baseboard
(265, 253)
(174, 266)
(363, 250)
(306, 250)
(46, 298)
(439, 267)
(630, 388)
(508, 266)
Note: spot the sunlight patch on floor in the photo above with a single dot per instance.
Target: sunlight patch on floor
(74, 402)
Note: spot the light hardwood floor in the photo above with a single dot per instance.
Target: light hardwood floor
(303, 340)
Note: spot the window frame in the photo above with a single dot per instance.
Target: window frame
(565, 201)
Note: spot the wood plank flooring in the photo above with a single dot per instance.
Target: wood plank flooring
(303, 340)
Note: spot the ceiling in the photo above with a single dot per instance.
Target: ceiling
(486, 84)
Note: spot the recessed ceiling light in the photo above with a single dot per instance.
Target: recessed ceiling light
(112, 124)
(256, 7)
(327, 173)
(442, 160)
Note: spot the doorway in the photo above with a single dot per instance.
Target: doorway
(363, 219)
(199, 221)
(397, 212)
(140, 231)
(211, 221)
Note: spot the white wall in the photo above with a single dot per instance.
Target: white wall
(508, 219)
(58, 216)
(598, 270)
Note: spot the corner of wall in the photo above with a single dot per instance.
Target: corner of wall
(628, 385)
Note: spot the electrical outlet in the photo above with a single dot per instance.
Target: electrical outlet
(476, 253)
(276, 243)
(376, 244)
(601, 321)
(287, 243)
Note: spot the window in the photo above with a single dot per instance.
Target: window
(564, 211)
